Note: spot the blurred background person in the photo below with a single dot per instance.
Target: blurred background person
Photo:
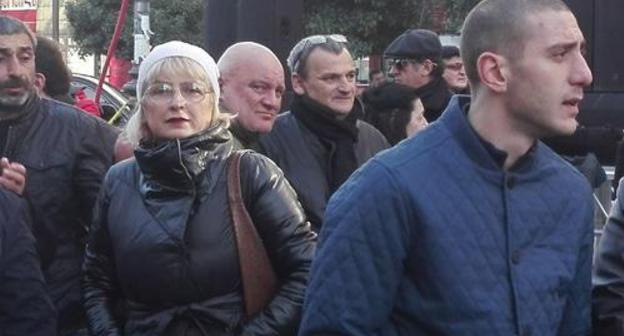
(415, 60)
(376, 78)
(163, 240)
(454, 73)
(395, 110)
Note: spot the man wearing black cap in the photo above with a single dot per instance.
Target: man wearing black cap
(415, 60)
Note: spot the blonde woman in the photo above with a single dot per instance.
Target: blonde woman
(162, 257)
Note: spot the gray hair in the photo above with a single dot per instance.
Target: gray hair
(12, 26)
(298, 57)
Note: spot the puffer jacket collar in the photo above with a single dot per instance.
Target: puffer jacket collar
(177, 166)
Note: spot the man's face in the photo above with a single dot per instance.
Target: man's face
(254, 91)
(17, 70)
(454, 73)
(330, 80)
(546, 83)
(411, 73)
(377, 79)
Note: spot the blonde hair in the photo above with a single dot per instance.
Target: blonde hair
(136, 129)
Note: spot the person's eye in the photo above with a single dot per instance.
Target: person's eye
(196, 89)
(259, 88)
(26, 57)
(161, 90)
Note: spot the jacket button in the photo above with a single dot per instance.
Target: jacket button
(515, 257)
(511, 182)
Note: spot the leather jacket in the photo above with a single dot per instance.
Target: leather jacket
(163, 245)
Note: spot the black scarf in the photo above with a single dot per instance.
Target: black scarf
(435, 96)
(339, 134)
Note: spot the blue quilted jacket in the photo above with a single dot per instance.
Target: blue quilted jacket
(432, 237)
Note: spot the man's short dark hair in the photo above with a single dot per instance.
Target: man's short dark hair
(499, 26)
(373, 73)
(449, 51)
(11, 26)
(49, 61)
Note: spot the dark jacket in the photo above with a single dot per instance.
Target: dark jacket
(243, 138)
(433, 237)
(66, 153)
(162, 243)
(304, 159)
(608, 279)
(434, 96)
(25, 308)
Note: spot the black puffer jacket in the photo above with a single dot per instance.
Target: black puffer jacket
(25, 308)
(163, 243)
(66, 153)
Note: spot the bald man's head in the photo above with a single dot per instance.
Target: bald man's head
(252, 85)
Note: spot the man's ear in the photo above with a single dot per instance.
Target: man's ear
(493, 71)
(428, 66)
(40, 82)
(298, 84)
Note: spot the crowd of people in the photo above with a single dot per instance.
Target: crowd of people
(428, 205)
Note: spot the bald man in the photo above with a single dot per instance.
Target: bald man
(252, 85)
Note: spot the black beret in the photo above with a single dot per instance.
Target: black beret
(415, 43)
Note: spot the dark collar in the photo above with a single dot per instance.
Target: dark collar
(176, 164)
(246, 137)
(481, 151)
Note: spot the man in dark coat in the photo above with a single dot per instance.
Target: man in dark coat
(320, 141)
(415, 60)
(25, 308)
(66, 153)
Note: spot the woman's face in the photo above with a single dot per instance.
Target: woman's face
(417, 121)
(176, 106)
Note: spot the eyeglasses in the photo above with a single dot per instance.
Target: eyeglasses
(300, 48)
(400, 63)
(454, 66)
(163, 93)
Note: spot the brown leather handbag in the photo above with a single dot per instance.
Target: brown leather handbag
(257, 274)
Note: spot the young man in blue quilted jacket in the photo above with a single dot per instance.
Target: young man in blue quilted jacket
(473, 226)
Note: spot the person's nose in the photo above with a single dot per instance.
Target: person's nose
(272, 100)
(581, 74)
(13, 65)
(178, 100)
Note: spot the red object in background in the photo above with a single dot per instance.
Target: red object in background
(118, 72)
(28, 16)
(86, 104)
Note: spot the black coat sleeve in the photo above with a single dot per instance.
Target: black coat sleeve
(290, 243)
(608, 279)
(25, 308)
(94, 157)
(100, 289)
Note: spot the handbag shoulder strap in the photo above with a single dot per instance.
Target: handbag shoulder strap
(258, 277)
